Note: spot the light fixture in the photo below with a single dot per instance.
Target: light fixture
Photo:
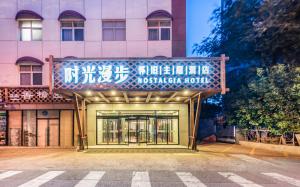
(88, 93)
(117, 99)
(97, 99)
(186, 92)
(137, 98)
(177, 98)
(157, 98)
(113, 92)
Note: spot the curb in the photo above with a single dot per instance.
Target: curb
(293, 150)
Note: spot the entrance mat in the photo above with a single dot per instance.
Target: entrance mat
(138, 150)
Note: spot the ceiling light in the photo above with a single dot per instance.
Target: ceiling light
(88, 93)
(117, 99)
(137, 98)
(97, 99)
(186, 92)
(177, 98)
(157, 98)
(113, 92)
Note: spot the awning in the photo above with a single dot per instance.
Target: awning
(29, 60)
(159, 14)
(28, 14)
(71, 15)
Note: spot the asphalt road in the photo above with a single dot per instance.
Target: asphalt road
(214, 165)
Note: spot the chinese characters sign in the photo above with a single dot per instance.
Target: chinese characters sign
(31, 95)
(137, 74)
(105, 73)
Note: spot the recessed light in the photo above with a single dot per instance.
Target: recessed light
(113, 92)
(186, 92)
(88, 93)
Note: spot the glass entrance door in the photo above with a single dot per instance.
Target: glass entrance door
(111, 130)
(137, 130)
(132, 130)
(142, 130)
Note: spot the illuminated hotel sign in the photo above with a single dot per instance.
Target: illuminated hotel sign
(136, 75)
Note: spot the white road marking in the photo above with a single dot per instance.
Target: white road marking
(91, 179)
(252, 159)
(189, 180)
(238, 179)
(8, 174)
(140, 179)
(42, 179)
(283, 178)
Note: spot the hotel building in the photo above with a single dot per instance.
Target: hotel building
(100, 72)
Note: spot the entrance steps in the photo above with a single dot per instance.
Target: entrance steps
(138, 148)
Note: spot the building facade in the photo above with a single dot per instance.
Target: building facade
(37, 112)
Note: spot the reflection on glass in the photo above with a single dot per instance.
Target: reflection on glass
(151, 131)
(142, 131)
(29, 128)
(132, 125)
(173, 131)
(162, 131)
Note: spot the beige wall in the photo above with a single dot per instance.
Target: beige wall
(66, 128)
(183, 117)
(136, 44)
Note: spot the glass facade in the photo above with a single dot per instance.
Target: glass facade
(136, 127)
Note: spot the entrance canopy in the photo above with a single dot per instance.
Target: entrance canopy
(138, 80)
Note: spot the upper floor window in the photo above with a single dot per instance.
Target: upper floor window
(30, 30)
(31, 75)
(114, 30)
(159, 30)
(72, 30)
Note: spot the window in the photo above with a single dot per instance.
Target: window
(72, 31)
(30, 30)
(159, 30)
(31, 75)
(114, 30)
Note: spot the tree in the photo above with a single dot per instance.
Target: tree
(262, 39)
(270, 101)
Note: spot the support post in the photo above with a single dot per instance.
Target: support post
(50, 74)
(223, 73)
(77, 114)
(196, 126)
(192, 121)
(83, 117)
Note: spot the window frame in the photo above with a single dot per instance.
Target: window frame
(114, 28)
(31, 72)
(72, 28)
(159, 28)
(31, 28)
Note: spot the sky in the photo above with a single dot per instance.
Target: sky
(198, 25)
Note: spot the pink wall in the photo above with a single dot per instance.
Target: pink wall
(136, 44)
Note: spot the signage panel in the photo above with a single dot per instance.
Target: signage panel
(137, 74)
